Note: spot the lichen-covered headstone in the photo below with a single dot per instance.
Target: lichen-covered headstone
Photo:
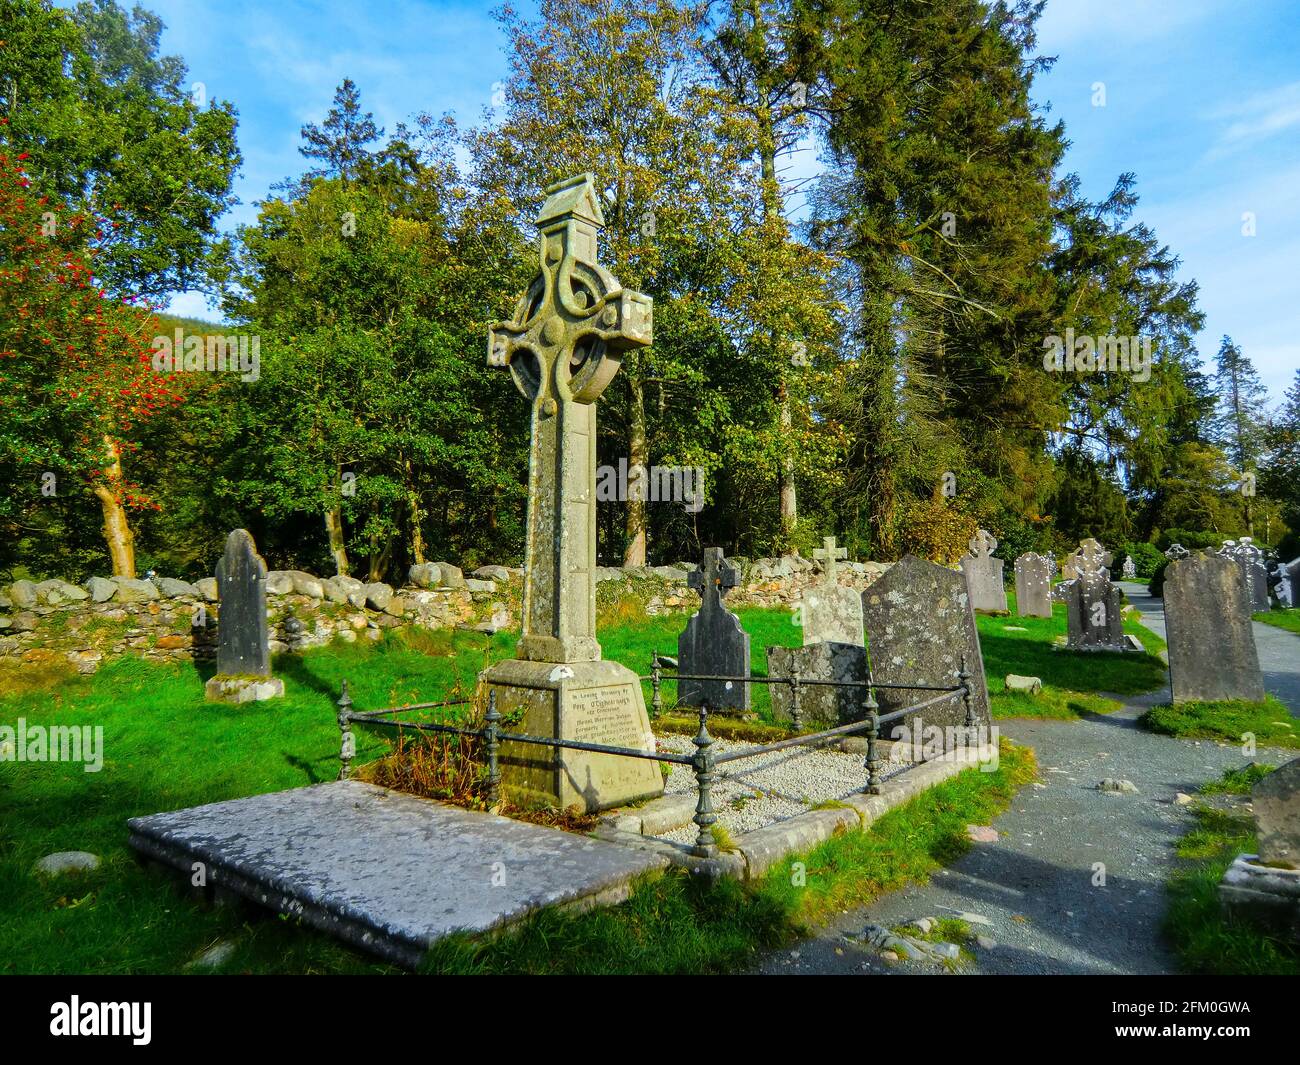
(714, 642)
(984, 574)
(1130, 568)
(830, 612)
(1034, 585)
(1275, 802)
(243, 638)
(1208, 628)
(919, 624)
(1093, 613)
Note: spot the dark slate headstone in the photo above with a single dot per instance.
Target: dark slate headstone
(243, 642)
(821, 706)
(919, 624)
(1093, 611)
(984, 574)
(714, 643)
(1034, 585)
(1207, 624)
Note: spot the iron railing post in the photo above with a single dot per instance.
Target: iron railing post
(347, 741)
(705, 845)
(656, 680)
(492, 741)
(796, 699)
(872, 764)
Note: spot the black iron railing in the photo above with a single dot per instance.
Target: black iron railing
(703, 763)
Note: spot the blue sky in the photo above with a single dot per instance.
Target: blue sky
(1202, 103)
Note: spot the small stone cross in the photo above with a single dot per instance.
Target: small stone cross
(1092, 559)
(828, 553)
(713, 577)
(983, 544)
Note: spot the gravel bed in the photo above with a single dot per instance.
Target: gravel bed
(758, 791)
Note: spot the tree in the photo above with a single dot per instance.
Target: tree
(76, 374)
(110, 128)
(1241, 421)
(340, 142)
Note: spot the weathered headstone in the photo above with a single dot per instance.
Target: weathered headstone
(831, 618)
(919, 624)
(563, 347)
(1034, 585)
(243, 637)
(1207, 624)
(1130, 570)
(1288, 588)
(714, 642)
(1175, 552)
(1275, 802)
(820, 705)
(830, 612)
(1254, 574)
(1093, 614)
(984, 574)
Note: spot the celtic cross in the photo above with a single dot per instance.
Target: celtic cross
(713, 577)
(982, 544)
(563, 346)
(1093, 559)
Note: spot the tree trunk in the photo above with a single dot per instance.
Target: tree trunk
(117, 530)
(338, 548)
(789, 500)
(638, 460)
(417, 516)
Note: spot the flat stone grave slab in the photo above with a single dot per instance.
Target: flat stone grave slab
(388, 872)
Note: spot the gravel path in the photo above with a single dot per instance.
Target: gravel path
(1032, 892)
(759, 791)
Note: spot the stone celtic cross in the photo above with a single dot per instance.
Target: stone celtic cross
(829, 553)
(1092, 559)
(982, 544)
(713, 577)
(563, 347)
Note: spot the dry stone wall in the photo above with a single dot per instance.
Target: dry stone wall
(163, 618)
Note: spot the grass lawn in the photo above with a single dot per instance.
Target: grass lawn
(1283, 619)
(1270, 722)
(165, 749)
(1206, 940)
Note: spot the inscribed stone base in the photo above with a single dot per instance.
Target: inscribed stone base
(222, 689)
(591, 702)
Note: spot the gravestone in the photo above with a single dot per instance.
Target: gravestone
(830, 612)
(831, 618)
(1175, 552)
(1093, 613)
(563, 347)
(243, 638)
(919, 624)
(1288, 588)
(1208, 628)
(1130, 570)
(1275, 802)
(714, 642)
(1034, 585)
(984, 574)
(1254, 574)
